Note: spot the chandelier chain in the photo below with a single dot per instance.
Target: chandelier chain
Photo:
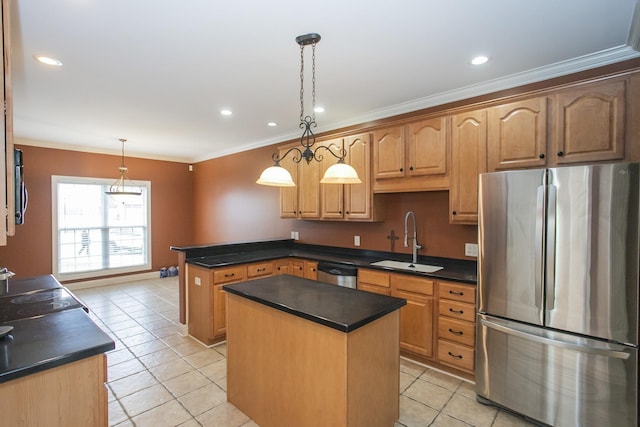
(313, 83)
(301, 83)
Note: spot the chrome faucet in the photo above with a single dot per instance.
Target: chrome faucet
(415, 245)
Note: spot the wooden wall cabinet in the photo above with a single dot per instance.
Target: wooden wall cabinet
(350, 202)
(588, 123)
(412, 157)
(468, 160)
(456, 325)
(303, 200)
(7, 162)
(517, 135)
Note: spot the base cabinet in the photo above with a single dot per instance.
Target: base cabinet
(456, 325)
(74, 394)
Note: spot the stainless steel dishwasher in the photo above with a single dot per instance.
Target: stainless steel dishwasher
(338, 274)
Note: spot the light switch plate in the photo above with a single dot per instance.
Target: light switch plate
(471, 249)
(356, 240)
(197, 281)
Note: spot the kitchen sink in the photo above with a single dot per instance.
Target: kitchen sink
(408, 266)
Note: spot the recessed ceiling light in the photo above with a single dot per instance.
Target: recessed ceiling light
(272, 124)
(226, 112)
(319, 109)
(479, 60)
(48, 60)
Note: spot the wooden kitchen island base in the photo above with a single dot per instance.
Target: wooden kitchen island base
(285, 370)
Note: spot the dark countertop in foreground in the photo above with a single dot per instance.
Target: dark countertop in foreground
(337, 307)
(213, 256)
(47, 341)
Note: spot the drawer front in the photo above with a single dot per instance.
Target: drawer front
(258, 270)
(367, 287)
(373, 277)
(457, 310)
(462, 293)
(456, 355)
(229, 274)
(405, 282)
(457, 331)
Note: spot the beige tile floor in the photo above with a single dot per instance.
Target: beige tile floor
(158, 376)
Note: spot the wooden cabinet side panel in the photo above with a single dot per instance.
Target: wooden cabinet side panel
(8, 122)
(517, 135)
(388, 153)
(69, 395)
(427, 141)
(200, 307)
(590, 123)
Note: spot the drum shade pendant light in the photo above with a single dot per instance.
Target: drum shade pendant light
(123, 185)
(339, 173)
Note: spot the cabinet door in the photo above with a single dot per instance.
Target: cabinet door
(308, 189)
(388, 153)
(310, 270)
(427, 142)
(289, 195)
(332, 194)
(281, 266)
(589, 123)
(468, 159)
(219, 324)
(517, 135)
(416, 323)
(297, 268)
(358, 196)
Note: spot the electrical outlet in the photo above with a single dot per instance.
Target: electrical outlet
(296, 235)
(197, 281)
(471, 249)
(356, 240)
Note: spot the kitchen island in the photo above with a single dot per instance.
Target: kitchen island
(306, 353)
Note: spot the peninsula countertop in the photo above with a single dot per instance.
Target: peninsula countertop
(45, 341)
(340, 308)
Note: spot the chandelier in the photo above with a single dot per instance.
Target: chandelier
(338, 173)
(121, 187)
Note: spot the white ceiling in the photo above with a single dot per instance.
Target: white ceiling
(157, 72)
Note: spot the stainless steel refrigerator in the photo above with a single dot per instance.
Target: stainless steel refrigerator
(557, 334)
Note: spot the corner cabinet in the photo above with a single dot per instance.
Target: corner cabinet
(468, 160)
(7, 168)
(412, 157)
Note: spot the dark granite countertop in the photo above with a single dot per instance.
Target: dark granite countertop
(222, 255)
(45, 341)
(334, 306)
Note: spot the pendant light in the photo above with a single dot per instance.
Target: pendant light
(339, 173)
(123, 185)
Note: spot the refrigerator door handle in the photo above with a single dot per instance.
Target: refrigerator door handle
(606, 349)
(550, 291)
(539, 245)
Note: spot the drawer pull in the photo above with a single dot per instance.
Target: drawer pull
(451, 310)
(456, 293)
(261, 269)
(456, 332)
(457, 356)
(229, 274)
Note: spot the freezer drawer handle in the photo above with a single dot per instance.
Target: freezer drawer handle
(557, 343)
(451, 310)
(456, 332)
(457, 356)
(456, 293)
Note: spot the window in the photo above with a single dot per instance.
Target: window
(95, 234)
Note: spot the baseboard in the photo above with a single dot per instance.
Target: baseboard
(113, 280)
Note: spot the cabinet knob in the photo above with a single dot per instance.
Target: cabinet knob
(411, 168)
(541, 155)
(348, 212)
(560, 153)
(401, 169)
(454, 213)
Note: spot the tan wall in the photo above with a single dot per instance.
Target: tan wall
(229, 206)
(29, 252)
